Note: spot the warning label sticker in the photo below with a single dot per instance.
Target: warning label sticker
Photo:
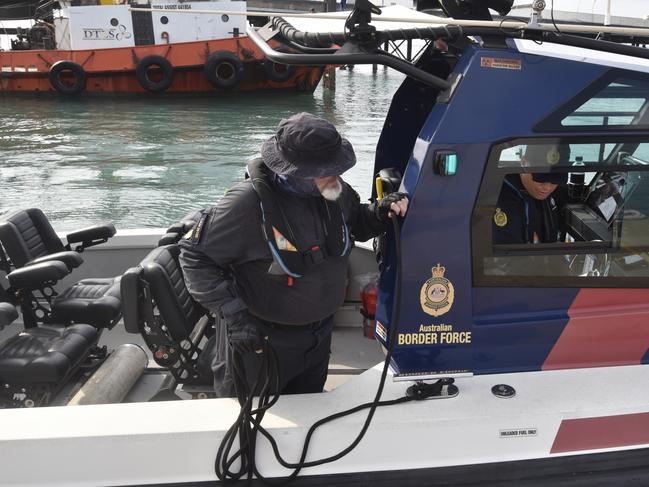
(518, 433)
(500, 63)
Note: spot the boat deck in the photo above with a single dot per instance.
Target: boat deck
(351, 355)
(553, 414)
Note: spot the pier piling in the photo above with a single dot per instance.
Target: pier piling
(329, 78)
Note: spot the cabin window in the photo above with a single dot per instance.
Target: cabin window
(564, 213)
(613, 101)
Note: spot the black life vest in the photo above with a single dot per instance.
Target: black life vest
(286, 247)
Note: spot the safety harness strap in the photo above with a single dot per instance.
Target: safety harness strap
(288, 251)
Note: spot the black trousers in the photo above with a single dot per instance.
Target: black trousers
(302, 351)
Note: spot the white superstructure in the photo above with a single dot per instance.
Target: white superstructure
(108, 26)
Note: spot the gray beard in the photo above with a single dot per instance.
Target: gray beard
(332, 193)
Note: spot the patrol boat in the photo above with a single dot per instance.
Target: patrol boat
(510, 364)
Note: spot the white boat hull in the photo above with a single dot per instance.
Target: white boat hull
(168, 442)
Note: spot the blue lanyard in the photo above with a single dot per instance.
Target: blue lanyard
(525, 202)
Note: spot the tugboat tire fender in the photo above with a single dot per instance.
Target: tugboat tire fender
(277, 71)
(154, 85)
(76, 74)
(224, 69)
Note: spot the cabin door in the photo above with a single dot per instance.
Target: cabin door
(143, 27)
(561, 280)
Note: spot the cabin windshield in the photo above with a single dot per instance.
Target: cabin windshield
(614, 101)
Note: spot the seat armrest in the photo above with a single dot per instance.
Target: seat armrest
(130, 292)
(90, 236)
(69, 258)
(38, 275)
(8, 314)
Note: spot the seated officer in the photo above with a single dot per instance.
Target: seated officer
(527, 210)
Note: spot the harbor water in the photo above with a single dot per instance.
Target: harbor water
(146, 161)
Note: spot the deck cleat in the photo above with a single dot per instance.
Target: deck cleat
(441, 389)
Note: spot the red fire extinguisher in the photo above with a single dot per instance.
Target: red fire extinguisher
(369, 293)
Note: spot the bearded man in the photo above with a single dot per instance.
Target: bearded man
(270, 260)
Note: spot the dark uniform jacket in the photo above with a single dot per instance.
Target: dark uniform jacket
(226, 262)
(519, 217)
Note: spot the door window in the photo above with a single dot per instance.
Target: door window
(563, 212)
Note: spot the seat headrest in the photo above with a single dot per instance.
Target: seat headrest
(186, 223)
(169, 238)
(28, 234)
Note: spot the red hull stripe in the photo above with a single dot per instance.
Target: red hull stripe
(606, 327)
(604, 432)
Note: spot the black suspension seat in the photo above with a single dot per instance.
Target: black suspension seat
(95, 301)
(37, 362)
(28, 239)
(157, 305)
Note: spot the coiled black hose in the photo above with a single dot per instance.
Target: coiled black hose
(327, 39)
(266, 386)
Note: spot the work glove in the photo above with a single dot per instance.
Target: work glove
(382, 207)
(244, 332)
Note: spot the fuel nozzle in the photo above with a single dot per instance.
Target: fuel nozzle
(378, 183)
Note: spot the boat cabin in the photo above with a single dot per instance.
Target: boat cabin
(476, 302)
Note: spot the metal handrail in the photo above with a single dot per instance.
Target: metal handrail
(346, 57)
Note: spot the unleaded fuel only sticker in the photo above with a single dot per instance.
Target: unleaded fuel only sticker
(500, 63)
(518, 433)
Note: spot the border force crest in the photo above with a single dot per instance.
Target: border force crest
(437, 293)
(500, 218)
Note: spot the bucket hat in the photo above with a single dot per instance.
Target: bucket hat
(307, 146)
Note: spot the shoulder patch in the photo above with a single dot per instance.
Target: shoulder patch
(195, 233)
(198, 229)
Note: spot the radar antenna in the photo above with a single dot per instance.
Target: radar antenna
(358, 22)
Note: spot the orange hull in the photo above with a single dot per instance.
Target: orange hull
(113, 70)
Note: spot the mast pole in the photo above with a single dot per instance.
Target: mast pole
(607, 17)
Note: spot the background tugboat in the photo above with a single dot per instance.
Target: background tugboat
(76, 47)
